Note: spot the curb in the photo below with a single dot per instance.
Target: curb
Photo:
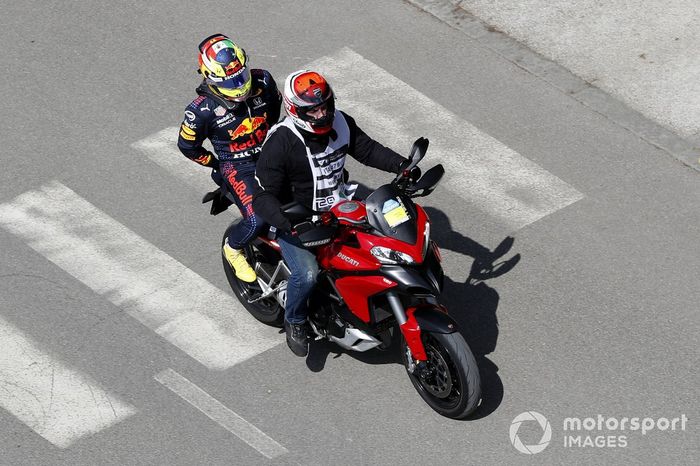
(450, 12)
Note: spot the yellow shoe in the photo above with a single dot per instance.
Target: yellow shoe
(236, 259)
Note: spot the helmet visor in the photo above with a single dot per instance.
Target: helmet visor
(237, 80)
(311, 113)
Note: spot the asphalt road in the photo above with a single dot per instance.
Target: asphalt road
(641, 51)
(598, 317)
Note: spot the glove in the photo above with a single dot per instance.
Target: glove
(216, 177)
(302, 228)
(219, 202)
(413, 175)
(207, 159)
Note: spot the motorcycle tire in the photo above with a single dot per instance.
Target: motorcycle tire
(267, 311)
(451, 384)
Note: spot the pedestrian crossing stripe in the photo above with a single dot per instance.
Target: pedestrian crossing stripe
(480, 170)
(182, 307)
(55, 400)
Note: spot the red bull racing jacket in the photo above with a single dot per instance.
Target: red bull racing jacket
(236, 131)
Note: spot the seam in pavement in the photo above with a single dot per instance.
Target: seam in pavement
(451, 13)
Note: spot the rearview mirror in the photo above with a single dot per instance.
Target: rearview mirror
(418, 150)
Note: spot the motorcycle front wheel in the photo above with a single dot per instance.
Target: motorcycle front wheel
(450, 382)
(266, 310)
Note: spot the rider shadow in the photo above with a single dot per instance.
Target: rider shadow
(473, 304)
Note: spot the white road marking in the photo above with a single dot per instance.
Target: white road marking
(158, 291)
(479, 169)
(220, 414)
(161, 148)
(57, 402)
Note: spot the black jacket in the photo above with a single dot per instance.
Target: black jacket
(284, 175)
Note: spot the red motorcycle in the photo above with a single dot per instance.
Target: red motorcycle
(379, 268)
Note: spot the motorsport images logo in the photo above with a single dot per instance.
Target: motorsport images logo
(546, 432)
(594, 432)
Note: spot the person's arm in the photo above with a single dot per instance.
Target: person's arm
(369, 152)
(275, 98)
(192, 134)
(271, 177)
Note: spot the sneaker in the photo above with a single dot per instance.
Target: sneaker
(238, 262)
(297, 338)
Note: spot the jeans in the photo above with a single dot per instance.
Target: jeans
(239, 180)
(304, 270)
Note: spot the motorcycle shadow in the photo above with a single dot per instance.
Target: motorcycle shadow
(472, 304)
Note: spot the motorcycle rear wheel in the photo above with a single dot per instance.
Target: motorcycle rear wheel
(450, 384)
(268, 310)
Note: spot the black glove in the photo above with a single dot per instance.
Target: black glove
(216, 177)
(302, 228)
(213, 163)
(413, 175)
(219, 202)
(207, 159)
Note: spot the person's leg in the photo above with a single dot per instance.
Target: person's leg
(304, 270)
(239, 181)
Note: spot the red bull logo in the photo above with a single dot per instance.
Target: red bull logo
(232, 67)
(240, 188)
(247, 126)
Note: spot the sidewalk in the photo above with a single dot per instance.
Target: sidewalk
(643, 53)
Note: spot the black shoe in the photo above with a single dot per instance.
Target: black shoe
(297, 338)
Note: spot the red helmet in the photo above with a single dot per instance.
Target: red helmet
(305, 93)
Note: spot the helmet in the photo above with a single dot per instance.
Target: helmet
(304, 93)
(224, 66)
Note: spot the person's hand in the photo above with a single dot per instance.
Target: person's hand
(208, 160)
(302, 228)
(413, 174)
(219, 202)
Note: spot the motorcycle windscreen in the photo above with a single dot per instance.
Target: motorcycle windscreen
(392, 214)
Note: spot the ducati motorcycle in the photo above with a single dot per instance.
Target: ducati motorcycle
(380, 278)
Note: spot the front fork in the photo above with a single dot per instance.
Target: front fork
(409, 328)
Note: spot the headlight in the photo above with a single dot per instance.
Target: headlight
(390, 256)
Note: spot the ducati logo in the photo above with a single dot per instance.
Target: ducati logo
(349, 260)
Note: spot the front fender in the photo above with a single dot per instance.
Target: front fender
(425, 318)
(434, 318)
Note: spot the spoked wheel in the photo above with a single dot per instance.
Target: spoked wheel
(450, 382)
(266, 310)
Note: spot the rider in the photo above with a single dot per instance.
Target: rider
(235, 107)
(306, 152)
